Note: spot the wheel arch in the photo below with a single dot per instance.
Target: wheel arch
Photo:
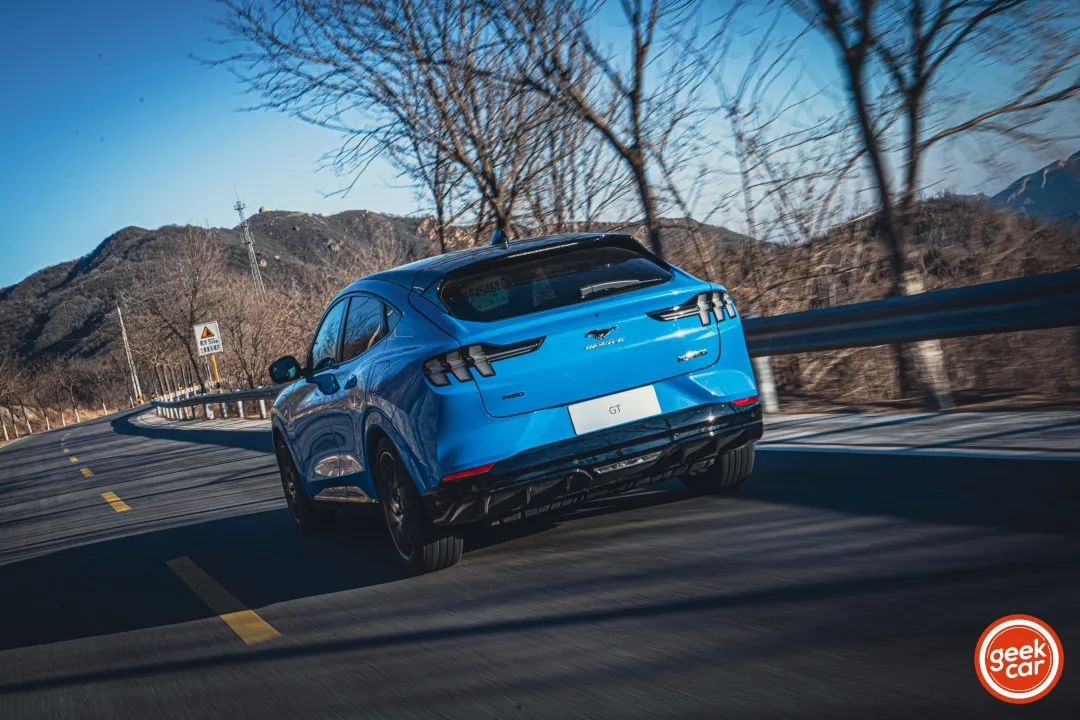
(279, 436)
(377, 426)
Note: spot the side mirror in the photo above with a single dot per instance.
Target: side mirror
(285, 370)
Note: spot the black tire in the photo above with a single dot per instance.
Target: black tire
(726, 474)
(307, 515)
(418, 545)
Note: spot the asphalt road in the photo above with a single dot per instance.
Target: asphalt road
(843, 581)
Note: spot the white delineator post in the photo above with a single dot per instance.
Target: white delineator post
(766, 384)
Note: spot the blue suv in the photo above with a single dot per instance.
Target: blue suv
(495, 383)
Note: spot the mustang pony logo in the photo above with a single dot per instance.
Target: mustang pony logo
(601, 333)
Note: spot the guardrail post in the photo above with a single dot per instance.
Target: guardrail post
(209, 411)
(240, 408)
(262, 408)
(224, 410)
(766, 384)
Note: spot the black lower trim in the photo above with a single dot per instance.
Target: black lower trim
(595, 464)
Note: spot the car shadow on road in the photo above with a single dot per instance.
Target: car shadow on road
(123, 584)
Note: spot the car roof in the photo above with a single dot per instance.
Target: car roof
(420, 274)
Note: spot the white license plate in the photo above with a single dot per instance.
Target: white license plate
(611, 410)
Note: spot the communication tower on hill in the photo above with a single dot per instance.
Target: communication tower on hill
(249, 241)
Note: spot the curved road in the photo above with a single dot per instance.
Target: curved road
(844, 580)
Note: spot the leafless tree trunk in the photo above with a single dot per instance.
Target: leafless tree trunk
(26, 418)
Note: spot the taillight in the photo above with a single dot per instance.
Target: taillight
(479, 356)
(717, 303)
(471, 472)
(743, 402)
(435, 369)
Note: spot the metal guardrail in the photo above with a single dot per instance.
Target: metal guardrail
(1028, 303)
(187, 408)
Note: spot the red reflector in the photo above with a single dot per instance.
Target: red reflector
(743, 402)
(467, 473)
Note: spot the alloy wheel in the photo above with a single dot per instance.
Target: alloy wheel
(398, 502)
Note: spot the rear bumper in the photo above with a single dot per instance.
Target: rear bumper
(600, 463)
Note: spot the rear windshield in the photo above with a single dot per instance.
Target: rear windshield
(545, 280)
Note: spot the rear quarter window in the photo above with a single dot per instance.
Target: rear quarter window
(537, 281)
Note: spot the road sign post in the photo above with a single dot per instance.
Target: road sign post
(214, 371)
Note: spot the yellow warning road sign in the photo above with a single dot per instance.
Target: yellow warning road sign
(208, 338)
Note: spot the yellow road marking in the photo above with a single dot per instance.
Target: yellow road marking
(86, 472)
(114, 501)
(73, 459)
(245, 623)
(65, 450)
(249, 626)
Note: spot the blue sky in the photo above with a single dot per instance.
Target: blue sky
(107, 122)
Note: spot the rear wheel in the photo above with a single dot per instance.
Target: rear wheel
(726, 474)
(418, 544)
(305, 513)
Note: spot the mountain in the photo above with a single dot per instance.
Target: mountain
(64, 309)
(1052, 193)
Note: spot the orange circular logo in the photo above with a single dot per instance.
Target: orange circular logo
(1019, 659)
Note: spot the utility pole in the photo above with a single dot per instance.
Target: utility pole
(135, 386)
(249, 241)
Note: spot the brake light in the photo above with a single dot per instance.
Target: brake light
(479, 356)
(743, 402)
(719, 304)
(471, 472)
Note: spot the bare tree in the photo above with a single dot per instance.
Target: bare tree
(256, 337)
(66, 379)
(169, 299)
(103, 378)
(901, 57)
(42, 386)
(440, 179)
(10, 383)
(414, 82)
(636, 97)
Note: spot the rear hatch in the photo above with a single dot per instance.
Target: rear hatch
(554, 328)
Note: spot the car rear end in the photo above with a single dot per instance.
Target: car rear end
(575, 367)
